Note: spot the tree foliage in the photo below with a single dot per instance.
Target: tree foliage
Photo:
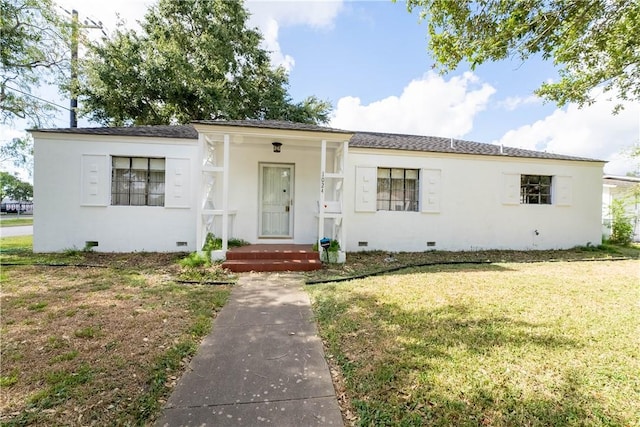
(14, 188)
(19, 151)
(33, 51)
(192, 60)
(621, 223)
(595, 43)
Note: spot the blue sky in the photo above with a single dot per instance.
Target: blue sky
(370, 59)
(382, 48)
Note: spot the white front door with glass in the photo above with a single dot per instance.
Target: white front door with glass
(276, 200)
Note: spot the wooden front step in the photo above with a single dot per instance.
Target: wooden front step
(272, 258)
(240, 266)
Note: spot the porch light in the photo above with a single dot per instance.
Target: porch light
(277, 146)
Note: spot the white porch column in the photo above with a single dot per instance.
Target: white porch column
(323, 169)
(199, 190)
(345, 159)
(225, 196)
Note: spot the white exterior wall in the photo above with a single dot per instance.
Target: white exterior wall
(471, 206)
(72, 191)
(467, 201)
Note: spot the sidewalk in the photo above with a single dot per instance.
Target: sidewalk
(20, 230)
(263, 363)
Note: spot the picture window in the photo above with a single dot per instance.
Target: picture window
(535, 189)
(137, 181)
(397, 189)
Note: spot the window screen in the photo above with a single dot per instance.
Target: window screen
(535, 189)
(397, 189)
(137, 181)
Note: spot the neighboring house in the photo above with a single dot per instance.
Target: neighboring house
(627, 189)
(164, 188)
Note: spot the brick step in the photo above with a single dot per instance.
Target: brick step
(282, 255)
(246, 265)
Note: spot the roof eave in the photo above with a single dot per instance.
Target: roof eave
(468, 153)
(272, 124)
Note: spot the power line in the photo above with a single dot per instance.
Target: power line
(75, 40)
(88, 22)
(36, 97)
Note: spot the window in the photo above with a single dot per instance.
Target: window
(397, 189)
(535, 189)
(137, 181)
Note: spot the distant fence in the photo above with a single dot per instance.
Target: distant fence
(16, 207)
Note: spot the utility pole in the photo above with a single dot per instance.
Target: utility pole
(73, 119)
(75, 41)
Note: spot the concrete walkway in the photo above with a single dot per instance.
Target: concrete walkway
(19, 230)
(263, 363)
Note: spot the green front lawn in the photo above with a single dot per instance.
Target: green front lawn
(93, 338)
(17, 244)
(15, 222)
(507, 344)
(366, 263)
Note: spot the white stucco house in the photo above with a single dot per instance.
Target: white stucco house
(164, 188)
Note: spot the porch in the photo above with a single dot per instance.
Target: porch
(272, 257)
(278, 188)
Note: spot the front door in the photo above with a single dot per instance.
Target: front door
(276, 200)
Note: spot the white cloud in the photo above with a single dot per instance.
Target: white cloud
(269, 28)
(314, 13)
(107, 12)
(592, 131)
(270, 16)
(427, 106)
(512, 102)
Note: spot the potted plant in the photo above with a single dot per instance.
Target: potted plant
(333, 251)
(212, 247)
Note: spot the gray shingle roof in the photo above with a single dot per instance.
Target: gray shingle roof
(447, 145)
(376, 140)
(623, 181)
(182, 132)
(272, 124)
